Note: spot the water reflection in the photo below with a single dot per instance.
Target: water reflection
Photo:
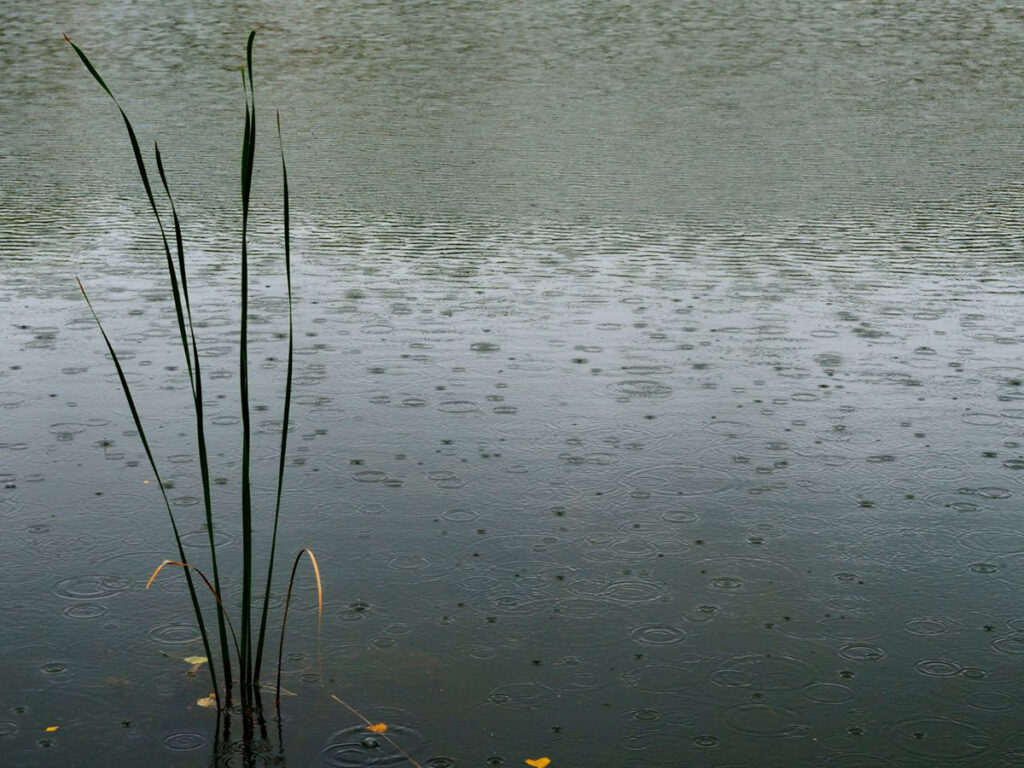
(241, 740)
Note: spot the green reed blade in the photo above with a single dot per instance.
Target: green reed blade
(248, 61)
(156, 475)
(287, 405)
(170, 267)
(141, 166)
(248, 153)
(90, 67)
(140, 163)
(204, 463)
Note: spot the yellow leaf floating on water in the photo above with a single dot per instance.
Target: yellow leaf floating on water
(52, 728)
(195, 659)
(540, 762)
(209, 701)
(377, 728)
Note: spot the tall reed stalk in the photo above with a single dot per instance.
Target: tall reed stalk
(241, 660)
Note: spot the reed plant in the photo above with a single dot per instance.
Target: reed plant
(240, 647)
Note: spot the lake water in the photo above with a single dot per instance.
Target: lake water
(659, 386)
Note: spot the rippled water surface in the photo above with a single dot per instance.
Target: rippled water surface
(658, 392)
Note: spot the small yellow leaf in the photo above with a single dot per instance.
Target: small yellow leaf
(209, 701)
(52, 728)
(540, 762)
(195, 659)
(377, 728)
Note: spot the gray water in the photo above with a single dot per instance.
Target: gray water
(657, 390)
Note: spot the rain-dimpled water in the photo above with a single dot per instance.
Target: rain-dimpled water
(659, 393)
